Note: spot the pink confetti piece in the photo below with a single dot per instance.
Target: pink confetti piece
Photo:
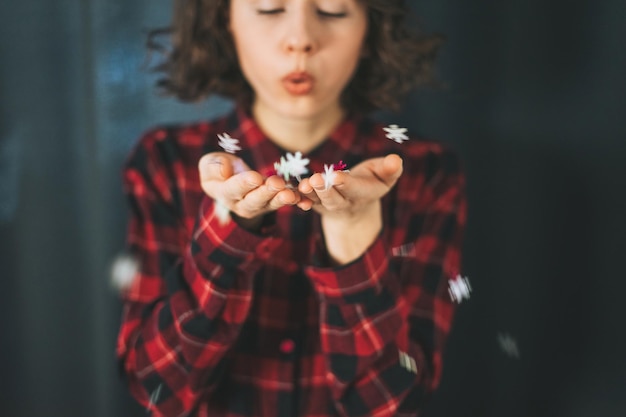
(339, 166)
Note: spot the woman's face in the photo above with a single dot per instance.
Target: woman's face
(298, 55)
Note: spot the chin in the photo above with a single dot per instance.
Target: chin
(298, 107)
(305, 108)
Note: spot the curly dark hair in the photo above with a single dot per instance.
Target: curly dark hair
(202, 59)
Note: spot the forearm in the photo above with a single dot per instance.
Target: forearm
(178, 341)
(177, 346)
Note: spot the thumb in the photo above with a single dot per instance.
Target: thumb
(219, 166)
(390, 170)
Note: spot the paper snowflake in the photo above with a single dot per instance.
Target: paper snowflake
(124, 269)
(407, 362)
(396, 133)
(404, 250)
(222, 213)
(230, 145)
(292, 166)
(459, 288)
(508, 345)
(329, 176)
(154, 397)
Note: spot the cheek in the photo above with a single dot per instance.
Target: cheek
(350, 57)
(254, 67)
(353, 45)
(247, 43)
(253, 63)
(248, 54)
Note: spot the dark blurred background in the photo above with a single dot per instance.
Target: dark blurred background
(535, 103)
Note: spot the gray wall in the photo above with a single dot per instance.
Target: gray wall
(535, 104)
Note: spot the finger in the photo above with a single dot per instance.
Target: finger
(305, 204)
(391, 169)
(286, 197)
(213, 166)
(309, 200)
(322, 182)
(373, 177)
(329, 197)
(305, 186)
(271, 195)
(220, 165)
(387, 169)
(308, 192)
(236, 187)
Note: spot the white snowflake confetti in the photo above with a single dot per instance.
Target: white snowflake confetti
(221, 212)
(508, 345)
(407, 362)
(123, 271)
(329, 176)
(459, 288)
(292, 166)
(230, 145)
(154, 397)
(396, 133)
(404, 250)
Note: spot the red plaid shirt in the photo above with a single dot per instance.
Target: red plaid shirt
(220, 321)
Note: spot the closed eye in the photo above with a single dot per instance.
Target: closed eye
(322, 13)
(329, 14)
(270, 11)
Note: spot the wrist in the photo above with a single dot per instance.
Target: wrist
(347, 238)
(252, 224)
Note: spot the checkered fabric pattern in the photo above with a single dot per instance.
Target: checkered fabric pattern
(220, 321)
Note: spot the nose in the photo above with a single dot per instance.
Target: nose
(295, 44)
(301, 34)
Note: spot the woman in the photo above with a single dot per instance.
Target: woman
(264, 291)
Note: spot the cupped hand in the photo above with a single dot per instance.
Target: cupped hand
(351, 194)
(246, 193)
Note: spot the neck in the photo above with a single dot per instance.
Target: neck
(294, 133)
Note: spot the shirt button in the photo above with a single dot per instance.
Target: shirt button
(287, 346)
(264, 250)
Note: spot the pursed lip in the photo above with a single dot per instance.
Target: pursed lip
(298, 82)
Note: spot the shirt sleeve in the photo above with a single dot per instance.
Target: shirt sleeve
(191, 294)
(385, 317)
